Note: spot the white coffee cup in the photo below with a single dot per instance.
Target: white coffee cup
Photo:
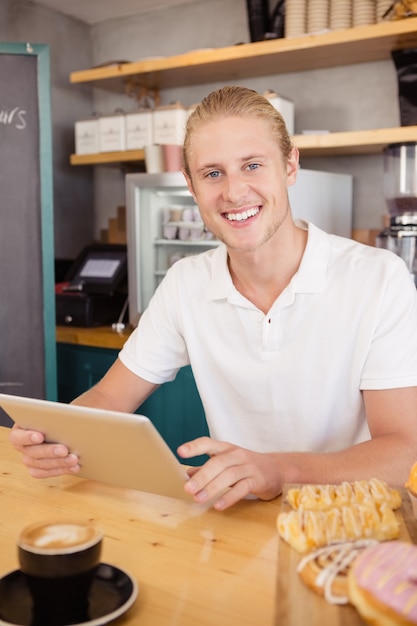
(154, 159)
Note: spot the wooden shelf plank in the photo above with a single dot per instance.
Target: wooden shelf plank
(127, 156)
(329, 144)
(330, 49)
(353, 142)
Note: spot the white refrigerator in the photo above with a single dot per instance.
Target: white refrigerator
(163, 223)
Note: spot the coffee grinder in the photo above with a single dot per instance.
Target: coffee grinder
(400, 192)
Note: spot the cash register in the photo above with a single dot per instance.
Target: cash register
(94, 292)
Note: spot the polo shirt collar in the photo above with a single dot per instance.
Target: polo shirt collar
(221, 284)
(310, 277)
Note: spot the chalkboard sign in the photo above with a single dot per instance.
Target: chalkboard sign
(27, 303)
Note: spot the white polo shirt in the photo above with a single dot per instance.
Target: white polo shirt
(289, 380)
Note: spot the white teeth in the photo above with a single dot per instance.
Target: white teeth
(241, 217)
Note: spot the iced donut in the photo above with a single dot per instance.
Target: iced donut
(326, 569)
(382, 584)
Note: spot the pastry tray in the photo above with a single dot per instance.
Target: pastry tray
(296, 604)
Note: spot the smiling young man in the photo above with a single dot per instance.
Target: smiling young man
(303, 344)
(238, 173)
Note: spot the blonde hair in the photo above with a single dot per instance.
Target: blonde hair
(232, 101)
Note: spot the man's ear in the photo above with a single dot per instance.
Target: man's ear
(189, 185)
(293, 165)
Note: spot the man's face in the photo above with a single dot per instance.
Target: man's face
(239, 181)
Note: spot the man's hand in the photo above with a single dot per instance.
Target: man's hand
(232, 473)
(43, 460)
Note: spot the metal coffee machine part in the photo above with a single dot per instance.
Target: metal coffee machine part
(400, 237)
(400, 178)
(400, 192)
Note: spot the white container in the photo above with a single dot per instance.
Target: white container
(112, 133)
(86, 136)
(285, 107)
(169, 124)
(139, 129)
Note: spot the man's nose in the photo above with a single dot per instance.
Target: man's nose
(235, 187)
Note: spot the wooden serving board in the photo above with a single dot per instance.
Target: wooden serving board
(297, 605)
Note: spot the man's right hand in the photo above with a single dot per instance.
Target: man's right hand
(43, 460)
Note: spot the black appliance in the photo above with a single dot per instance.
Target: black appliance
(95, 290)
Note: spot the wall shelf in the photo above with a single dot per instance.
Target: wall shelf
(353, 142)
(329, 144)
(334, 48)
(127, 156)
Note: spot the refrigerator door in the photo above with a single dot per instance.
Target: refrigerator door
(325, 199)
(151, 201)
(320, 197)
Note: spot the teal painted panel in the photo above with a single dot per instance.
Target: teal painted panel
(175, 408)
(80, 367)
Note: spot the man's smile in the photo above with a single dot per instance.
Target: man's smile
(242, 216)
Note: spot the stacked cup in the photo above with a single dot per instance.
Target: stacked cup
(163, 158)
(340, 14)
(295, 17)
(363, 12)
(382, 6)
(317, 15)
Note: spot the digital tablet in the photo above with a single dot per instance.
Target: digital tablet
(122, 449)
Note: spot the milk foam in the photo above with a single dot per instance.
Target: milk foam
(58, 535)
(63, 535)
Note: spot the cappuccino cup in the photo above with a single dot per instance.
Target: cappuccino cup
(59, 560)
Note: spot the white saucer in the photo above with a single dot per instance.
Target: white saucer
(112, 594)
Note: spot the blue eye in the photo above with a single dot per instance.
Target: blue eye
(214, 174)
(253, 166)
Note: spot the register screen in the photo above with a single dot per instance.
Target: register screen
(99, 268)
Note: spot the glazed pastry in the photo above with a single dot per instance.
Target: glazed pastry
(306, 530)
(325, 570)
(321, 497)
(383, 584)
(411, 483)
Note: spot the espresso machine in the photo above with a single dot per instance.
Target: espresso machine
(400, 192)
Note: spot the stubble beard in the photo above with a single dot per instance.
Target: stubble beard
(269, 234)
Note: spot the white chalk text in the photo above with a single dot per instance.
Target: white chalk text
(16, 117)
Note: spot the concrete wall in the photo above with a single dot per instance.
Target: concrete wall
(344, 98)
(70, 47)
(352, 97)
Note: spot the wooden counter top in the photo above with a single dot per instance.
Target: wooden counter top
(97, 337)
(193, 565)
